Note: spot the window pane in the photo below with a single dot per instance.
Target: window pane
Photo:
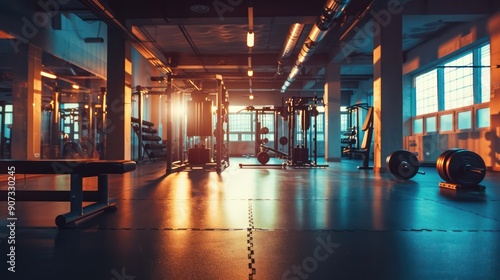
(465, 120)
(430, 124)
(247, 137)
(267, 120)
(483, 117)
(426, 93)
(446, 122)
(485, 73)
(417, 126)
(320, 123)
(233, 137)
(343, 122)
(241, 122)
(458, 83)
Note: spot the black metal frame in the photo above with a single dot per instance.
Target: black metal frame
(77, 169)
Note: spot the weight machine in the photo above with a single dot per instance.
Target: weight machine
(261, 149)
(202, 113)
(301, 113)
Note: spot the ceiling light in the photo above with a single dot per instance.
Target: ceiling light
(250, 39)
(250, 96)
(48, 75)
(200, 8)
(250, 72)
(75, 86)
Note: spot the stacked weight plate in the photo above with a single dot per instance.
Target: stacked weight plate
(461, 168)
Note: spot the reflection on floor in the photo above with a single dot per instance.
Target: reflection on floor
(261, 223)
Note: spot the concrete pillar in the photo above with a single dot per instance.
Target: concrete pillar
(494, 134)
(27, 103)
(387, 89)
(119, 96)
(331, 98)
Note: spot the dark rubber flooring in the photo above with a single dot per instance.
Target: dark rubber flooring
(261, 223)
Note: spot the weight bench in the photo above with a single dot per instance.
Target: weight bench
(77, 169)
(367, 140)
(280, 153)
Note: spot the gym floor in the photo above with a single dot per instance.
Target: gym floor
(262, 223)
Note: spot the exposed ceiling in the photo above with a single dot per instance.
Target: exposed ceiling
(209, 37)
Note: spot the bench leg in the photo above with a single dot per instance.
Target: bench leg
(77, 212)
(102, 188)
(76, 193)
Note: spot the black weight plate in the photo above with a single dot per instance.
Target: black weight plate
(440, 163)
(263, 157)
(402, 164)
(264, 130)
(265, 140)
(283, 140)
(444, 163)
(455, 168)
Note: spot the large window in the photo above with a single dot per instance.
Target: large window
(426, 93)
(458, 82)
(241, 122)
(484, 52)
(447, 97)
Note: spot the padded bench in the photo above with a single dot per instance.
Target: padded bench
(77, 169)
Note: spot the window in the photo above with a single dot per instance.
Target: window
(343, 121)
(8, 120)
(454, 88)
(320, 126)
(426, 93)
(484, 53)
(241, 122)
(233, 137)
(464, 120)
(267, 120)
(430, 124)
(418, 126)
(446, 122)
(483, 117)
(458, 82)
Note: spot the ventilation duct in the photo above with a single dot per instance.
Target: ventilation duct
(332, 10)
(290, 43)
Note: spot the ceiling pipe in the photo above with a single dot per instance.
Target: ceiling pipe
(332, 10)
(290, 43)
(98, 9)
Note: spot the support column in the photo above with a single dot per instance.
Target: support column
(494, 134)
(331, 98)
(27, 103)
(387, 89)
(119, 97)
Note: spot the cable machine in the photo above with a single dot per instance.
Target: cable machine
(261, 131)
(301, 114)
(207, 125)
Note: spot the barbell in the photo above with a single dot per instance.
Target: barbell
(456, 166)
(403, 164)
(461, 167)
